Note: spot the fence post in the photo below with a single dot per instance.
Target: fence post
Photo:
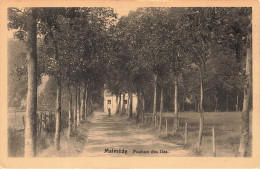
(213, 142)
(186, 133)
(166, 126)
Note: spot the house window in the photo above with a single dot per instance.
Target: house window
(125, 101)
(108, 101)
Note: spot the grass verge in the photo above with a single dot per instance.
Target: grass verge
(45, 143)
(227, 133)
(69, 147)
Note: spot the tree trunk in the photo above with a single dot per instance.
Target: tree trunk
(139, 106)
(244, 137)
(75, 109)
(127, 107)
(70, 115)
(237, 104)
(154, 96)
(123, 105)
(195, 105)
(183, 104)
(58, 101)
(86, 105)
(90, 102)
(161, 108)
(40, 124)
(216, 101)
(87, 102)
(58, 114)
(79, 106)
(119, 104)
(117, 107)
(130, 105)
(176, 104)
(83, 110)
(227, 103)
(201, 126)
(143, 107)
(176, 96)
(201, 96)
(31, 116)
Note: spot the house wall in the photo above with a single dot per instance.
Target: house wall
(113, 103)
(112, 106)
(134, 104)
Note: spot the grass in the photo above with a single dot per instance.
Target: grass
(16, 142)
(69, 147)
(227, 127)
(15, 120)
(16, 135)
(45, 143)
(227, 132)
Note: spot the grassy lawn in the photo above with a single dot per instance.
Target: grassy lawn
(227, 132)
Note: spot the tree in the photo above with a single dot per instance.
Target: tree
(200, 47)
(27, 29)
(244, 138)
(30, 125)
(49, 30)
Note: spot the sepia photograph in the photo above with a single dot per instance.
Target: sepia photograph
(122, 82)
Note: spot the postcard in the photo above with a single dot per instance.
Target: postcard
(129, 84)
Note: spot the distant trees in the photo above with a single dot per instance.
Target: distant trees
(17, 73)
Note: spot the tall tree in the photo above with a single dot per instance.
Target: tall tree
(25, 21)
(244, 138)
(30, 125)
(200, 37)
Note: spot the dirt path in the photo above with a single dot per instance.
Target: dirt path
(117, 134)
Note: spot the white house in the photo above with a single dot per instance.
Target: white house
(111, 102)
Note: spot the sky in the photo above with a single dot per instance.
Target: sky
(124, 11)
